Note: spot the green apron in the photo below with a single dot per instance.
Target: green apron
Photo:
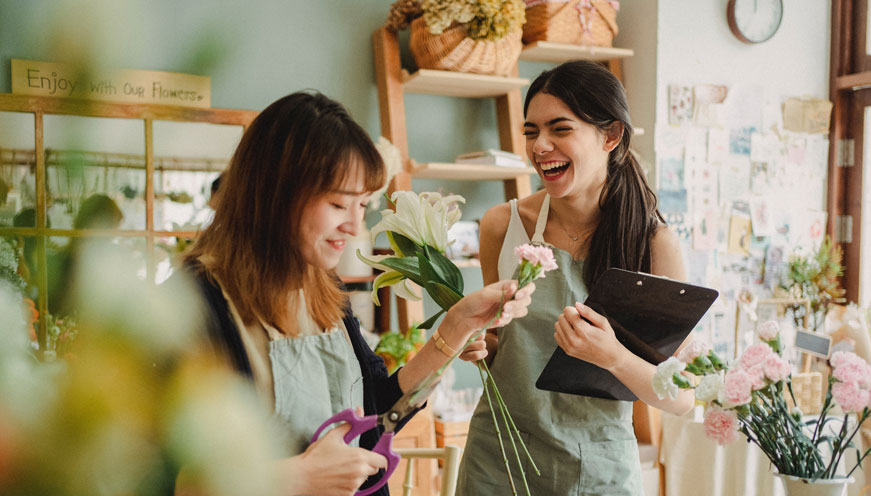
(581, 445)
(314, 377)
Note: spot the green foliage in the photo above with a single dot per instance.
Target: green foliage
(486, 19)
(399, 346)
(815, 277)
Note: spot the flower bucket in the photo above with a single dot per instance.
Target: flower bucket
(577, 22)
(453, 50)
(798, 486)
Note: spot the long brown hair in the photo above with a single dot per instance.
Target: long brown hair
(300, 147)
(629, 216)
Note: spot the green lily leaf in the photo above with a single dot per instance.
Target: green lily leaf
(407, 266)
(401, 245)
(431, 321)
(443, 295)
(445, 268)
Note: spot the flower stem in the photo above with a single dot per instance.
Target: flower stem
(504, 408)
(498, 432)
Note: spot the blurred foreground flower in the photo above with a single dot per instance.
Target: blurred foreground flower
(142, 399)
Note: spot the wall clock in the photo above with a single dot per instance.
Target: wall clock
(754, 21)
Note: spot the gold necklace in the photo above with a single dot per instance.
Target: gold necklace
(574, 238)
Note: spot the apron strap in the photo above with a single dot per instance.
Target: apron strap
(541, 222)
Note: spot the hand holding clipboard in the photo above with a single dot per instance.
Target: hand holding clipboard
(650, 315)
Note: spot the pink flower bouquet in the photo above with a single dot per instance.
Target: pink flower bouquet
(748, 397)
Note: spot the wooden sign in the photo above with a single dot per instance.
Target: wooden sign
(126, 86)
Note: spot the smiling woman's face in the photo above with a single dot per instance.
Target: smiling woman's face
(569, 154)
(330, 219)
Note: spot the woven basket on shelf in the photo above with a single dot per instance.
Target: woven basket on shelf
(579, 22)
(808, 390)
(453, 50)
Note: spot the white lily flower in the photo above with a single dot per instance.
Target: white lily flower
(423, 218)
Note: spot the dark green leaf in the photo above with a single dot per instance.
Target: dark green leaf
(445, 268)
(407, 266)
(444, 296)
(431, 321)
(407, 246)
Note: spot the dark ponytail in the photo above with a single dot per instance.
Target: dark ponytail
(629, 216)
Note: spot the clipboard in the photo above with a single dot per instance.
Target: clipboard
(651, 317)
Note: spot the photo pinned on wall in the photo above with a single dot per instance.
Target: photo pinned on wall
(760, 175)
(718, 145)
(672, 201)
(765, 147)
(795, 151)
(680, 104)
(775, 266)
(745, 102)
(734, 180)
(671, 174)
(760, 217)
(723, 327)
(705, 229)
(702, 187)
(740, 229)
(739, 140)
(708, 107)
(696, 149)
(807, 115)
(677, 222)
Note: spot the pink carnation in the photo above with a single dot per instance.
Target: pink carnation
(691, 351)
(537, 255)
(848, 367)
(737, 387)
(721, 425)
(755, 355)
(757, 376)
(850, 396)
(768, 330)
(776, 368)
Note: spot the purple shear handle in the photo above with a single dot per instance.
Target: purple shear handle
(359, 425)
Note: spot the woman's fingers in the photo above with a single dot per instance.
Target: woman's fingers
(591, 315)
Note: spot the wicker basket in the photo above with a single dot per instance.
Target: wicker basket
(453, 50)
(809, 393)
(579, 22)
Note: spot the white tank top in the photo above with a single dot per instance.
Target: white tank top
(516, 235)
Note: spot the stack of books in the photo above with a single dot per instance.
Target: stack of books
(492, 157)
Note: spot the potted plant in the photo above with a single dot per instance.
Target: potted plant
(815, 277)
(397, 348)
(748, 397)
(479, 36)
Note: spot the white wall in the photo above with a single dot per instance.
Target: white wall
(695, 45)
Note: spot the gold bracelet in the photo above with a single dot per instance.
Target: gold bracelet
(442, 345)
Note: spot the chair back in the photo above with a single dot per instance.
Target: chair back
(450, 454)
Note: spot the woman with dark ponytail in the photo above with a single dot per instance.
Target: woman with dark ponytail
(598, 211)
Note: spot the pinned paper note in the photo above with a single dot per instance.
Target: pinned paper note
(807, 115)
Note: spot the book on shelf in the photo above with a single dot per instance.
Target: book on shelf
(492, 157)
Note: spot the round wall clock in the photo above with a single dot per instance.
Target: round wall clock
(754, 21)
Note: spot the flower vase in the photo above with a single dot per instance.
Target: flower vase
(799, 486)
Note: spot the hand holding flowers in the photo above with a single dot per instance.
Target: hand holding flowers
(748, 396)
(417, 232)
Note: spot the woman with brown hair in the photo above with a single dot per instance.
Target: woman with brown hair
(295, 190)
(598, 212)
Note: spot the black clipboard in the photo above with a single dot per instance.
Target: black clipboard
(650, 315)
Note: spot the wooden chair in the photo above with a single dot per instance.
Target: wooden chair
(450, 454)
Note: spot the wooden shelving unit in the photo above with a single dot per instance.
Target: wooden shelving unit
(459, 84)
(467, 172)
(546, 51)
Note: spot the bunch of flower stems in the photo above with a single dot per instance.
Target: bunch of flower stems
(782, 436)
